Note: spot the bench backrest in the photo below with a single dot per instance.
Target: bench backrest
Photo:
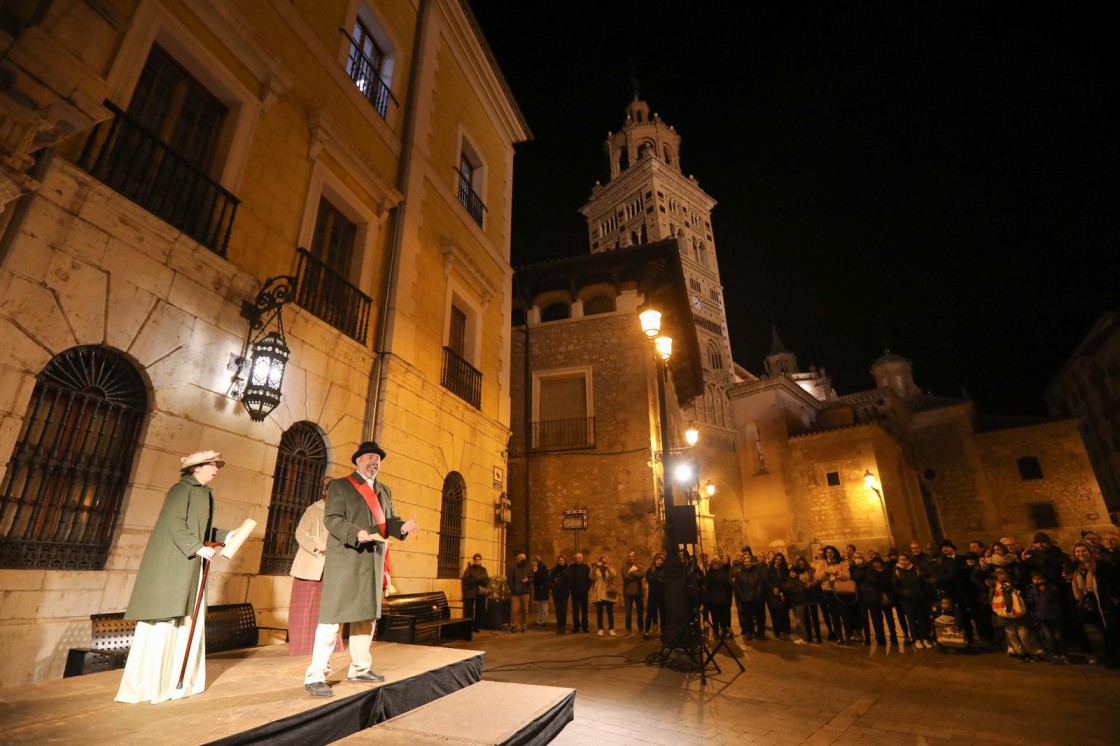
(228, 627)
(423, 607)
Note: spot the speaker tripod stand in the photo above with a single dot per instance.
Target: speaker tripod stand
(689, 641)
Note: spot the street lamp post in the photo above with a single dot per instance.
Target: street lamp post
(678, 606)
(874, 486)
(663, 345)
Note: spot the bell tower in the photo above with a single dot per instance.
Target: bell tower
(648, 198)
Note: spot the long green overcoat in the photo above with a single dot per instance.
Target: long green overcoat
(353, 572)
(167, 583)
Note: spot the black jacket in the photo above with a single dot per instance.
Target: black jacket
(580, 574)
(750, 585)
(561, 581)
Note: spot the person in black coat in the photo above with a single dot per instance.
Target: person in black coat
(776, 579)
(655, 606)
(750, 588)
(875, 598)
(579, 574)
(717, 596)
(560, 583)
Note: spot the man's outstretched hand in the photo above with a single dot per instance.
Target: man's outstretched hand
(410, 526)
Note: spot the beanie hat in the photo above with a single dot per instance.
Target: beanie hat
(1042, 538)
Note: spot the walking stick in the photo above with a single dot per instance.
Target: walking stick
(194, 616)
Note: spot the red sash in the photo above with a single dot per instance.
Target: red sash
(366, 491)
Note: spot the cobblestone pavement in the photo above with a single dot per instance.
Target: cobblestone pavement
(815, 694)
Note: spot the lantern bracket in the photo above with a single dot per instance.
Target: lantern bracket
(261, 312)
(274, 293)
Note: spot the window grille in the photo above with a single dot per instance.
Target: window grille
(301, 463)
(451, 526)
(61, 496)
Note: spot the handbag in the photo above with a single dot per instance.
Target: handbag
(612, 594)
(843, 586)
(1088, 608)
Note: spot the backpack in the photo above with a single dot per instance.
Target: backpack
(1008, 604)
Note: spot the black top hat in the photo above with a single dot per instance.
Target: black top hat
(370, 446)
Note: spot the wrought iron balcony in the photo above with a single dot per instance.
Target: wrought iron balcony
(461, 378)
(560, 435)
(137, 164)
(469, 198)
(366, 76)
(331, 297)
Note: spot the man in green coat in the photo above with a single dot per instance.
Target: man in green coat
(359, 517)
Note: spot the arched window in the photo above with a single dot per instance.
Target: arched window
(715, 360)
(451, 526)
(556, 312)
(598, 304)
(301, 463)
(61, 496)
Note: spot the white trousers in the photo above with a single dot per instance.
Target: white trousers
(361, 638)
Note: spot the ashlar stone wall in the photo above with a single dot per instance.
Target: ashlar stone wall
(615, 480)
(90, 267)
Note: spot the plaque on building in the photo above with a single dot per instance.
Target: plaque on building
(574, 520)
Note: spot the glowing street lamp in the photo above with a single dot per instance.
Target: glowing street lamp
(710, 488)
(651, 322)
(692, 435)
(873, 484)
(664, 347)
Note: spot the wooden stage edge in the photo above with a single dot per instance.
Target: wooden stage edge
(246, 689)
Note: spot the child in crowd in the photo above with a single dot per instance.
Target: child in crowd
(1043, 603)
(1011, 614)
(948, 627)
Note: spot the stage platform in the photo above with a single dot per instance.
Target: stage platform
(489, 713)
(253, 696)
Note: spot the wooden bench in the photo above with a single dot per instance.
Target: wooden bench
(421, 618)
(228, 627)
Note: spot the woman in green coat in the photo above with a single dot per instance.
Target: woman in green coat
(163, 597)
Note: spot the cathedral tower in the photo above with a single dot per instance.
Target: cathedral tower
(648, 198)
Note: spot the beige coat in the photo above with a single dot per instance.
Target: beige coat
(311, 535)
(602, 583)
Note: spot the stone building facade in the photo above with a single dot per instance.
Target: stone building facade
(1088, 388)
(886, 466)
(586, 406)
(239, 142)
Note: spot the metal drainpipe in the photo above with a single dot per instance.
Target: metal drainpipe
(375, 415)
(528, 415)
(38, 172)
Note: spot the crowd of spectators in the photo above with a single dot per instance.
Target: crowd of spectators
(1039, 603)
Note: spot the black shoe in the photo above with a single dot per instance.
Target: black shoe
(369, 677)
(318, 689)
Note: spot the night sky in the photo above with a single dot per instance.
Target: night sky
(941, 180)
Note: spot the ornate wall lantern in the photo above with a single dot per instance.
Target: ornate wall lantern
(259, 370)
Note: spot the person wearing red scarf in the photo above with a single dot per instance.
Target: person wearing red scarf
(360, 518)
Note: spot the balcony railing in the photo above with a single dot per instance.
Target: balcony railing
(140, 166)
(331, 297)
(560, 435)
(461, 378)
(367, 77)
(469, 198)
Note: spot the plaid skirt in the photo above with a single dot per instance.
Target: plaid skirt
(303, 617)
